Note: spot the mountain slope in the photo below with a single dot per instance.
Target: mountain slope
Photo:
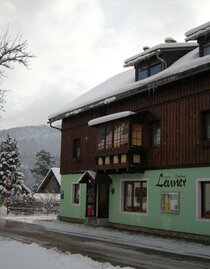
(30, 140)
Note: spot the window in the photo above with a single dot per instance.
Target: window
(155, 133)
(135, 196)
(148, 71)
(206, 125)
(76, 148)
(117, 135)
(101, 138)
(142, 73)
(155, 69)
(120, 134)
(76, 193)
(108, 142)
(206, 49)
(205, 199)
(170, 202)
(136, 134)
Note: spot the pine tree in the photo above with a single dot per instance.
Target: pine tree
(11, 178)
(44, 161)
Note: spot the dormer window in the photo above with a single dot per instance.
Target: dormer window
(154, 69)
(206, 49)
(148, 71)
(142, 73)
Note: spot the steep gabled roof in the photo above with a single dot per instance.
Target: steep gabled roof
(53, 171)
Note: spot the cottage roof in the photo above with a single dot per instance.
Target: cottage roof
(196, 32)
(56, 173)
(122, 85)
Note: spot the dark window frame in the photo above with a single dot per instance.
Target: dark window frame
(155, 137)
(206, 49)
(77, 148)
(140, 193)
(147, 69)
(136, 139)
(117, 137)
(205, 213)
(205, 121)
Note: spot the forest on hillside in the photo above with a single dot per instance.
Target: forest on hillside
(32, 139)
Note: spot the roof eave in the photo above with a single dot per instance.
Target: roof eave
(132, 61)
(138, 89)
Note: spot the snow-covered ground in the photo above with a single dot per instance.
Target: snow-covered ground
(177, 246)
(20, 255)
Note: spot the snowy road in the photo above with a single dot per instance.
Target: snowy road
(117, 247)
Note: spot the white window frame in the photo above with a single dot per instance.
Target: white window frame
(199, 200)
(122, 211)
(73, 193)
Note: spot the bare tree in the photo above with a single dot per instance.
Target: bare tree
(11, 52)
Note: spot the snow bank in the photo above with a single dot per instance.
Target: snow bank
(3, 211)
(35, 256)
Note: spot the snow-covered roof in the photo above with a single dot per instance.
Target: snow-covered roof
(196, 32)
(101, 92)
(56, 172)
(148, 53)
(110, 117)
(88, 173)
(122, 85)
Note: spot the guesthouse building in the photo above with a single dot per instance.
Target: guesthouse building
(135, 150)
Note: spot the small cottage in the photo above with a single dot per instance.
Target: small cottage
(51, 183)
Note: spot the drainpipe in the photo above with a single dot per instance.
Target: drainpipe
(162, 62)
(160, 59)
(54, 127)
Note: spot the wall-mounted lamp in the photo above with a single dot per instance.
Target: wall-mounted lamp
(112, 190)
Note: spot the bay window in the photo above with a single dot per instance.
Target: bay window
(136, 133)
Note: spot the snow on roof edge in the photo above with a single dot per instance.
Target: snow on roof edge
(110, 117)
(166, 76)
(195, 32)
(55, 172)
(151, 51)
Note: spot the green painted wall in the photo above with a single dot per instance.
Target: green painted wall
(67, 208)
(184, 221)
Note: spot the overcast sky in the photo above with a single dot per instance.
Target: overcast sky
(79, 44)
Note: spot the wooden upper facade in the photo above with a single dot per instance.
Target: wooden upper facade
(167, 123)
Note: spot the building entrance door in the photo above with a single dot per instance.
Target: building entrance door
(103, 200)
(91, 200)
